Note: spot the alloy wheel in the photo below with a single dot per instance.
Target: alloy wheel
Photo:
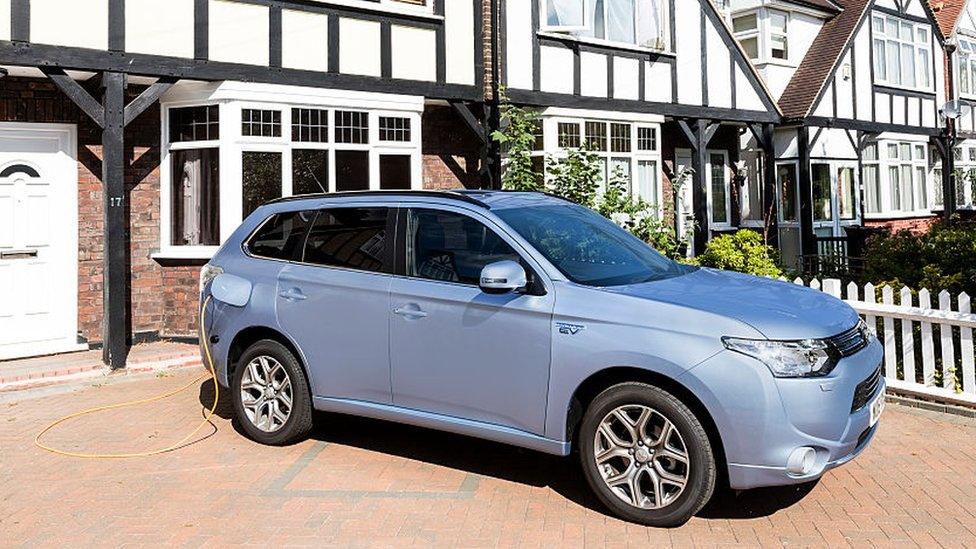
(266, 393)
(641, 457)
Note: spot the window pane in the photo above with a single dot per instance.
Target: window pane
(894, 183)
(352, 170)
(907, 65)
(569, 135)
(752, 202)
(647, 139)
(922, 35)
(352, 127)
(779, 47)
(720, 213)
(822, 208)
(564, 13)
(786, 181)
(651, 31)
(845, 193)
(908, 189)
(621, 21)
(309, 171)
(647, 182)
(923, 68)
(620, 170)
(906, 32)
(905, 152)
(620, 138)
(745, 23)
(395, 128)
(260, 123)
(395, 172)
(894, 63)
(596, 136)
(282, 236)
(351, 238)
(195, 213)
(880, 60)
(939, 196)
(921, 188)
(919, 153)
(751, 45)
(194, 124)
(261, 177)
(872, 189)
(778, 21)
(310, 125)
(870, 152)
(450, 247)
(893, 151)
(598, 28)
(879, 26)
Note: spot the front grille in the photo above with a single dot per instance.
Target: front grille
(865, 390)
(851, 341)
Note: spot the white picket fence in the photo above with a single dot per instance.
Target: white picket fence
(928, 350)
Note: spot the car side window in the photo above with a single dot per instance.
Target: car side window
(451, 247)
(350, 238)
(281, 236)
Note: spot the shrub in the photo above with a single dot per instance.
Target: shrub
(743, 252)
(941, 259)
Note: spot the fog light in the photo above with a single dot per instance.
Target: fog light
(801, 461)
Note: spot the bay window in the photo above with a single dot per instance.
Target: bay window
(902, 52)
(222, 161)
(763, 34)
(635, 22)
(966, 66)
(896, 179)
(626, 150)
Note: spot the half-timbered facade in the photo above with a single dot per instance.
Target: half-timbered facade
(135, 135)
(862, 142)
(654, 87)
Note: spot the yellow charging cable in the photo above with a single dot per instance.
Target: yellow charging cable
(170, 448)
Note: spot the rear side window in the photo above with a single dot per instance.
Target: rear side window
(281, 237)
(350, 238)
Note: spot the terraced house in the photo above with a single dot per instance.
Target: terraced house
(863, 141)
(136, 134)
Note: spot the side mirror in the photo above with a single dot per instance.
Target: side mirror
(503, 277)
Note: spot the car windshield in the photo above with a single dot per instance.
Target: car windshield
(588, 248)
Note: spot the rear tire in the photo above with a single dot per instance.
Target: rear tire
(656, 465)
(271, 396)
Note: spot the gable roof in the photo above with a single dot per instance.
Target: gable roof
(947, 13)
(822, 57)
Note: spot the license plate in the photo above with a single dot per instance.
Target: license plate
(877, 406)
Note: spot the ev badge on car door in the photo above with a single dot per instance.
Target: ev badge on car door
(569, 329)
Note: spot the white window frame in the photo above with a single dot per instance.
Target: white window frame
(712, 224)
(917, 46)
(552, 148)
(664, 41)
(914, 164)
(764, 34)
(966, 165)
(233, 144)
(965, 66)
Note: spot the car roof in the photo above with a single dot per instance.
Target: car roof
(487, 199)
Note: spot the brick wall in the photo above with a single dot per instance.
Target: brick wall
(916, 225)
(163, 298)
(451, 152)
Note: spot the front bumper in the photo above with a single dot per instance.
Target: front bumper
(762, 419)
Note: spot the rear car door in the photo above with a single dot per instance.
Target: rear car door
(334, 300)
(456, 350)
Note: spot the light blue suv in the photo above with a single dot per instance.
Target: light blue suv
(528, 320)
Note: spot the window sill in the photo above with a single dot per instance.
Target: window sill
(185, 254)
(621, 46)
(892, 88)
(414, 13)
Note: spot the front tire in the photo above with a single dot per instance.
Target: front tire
(646, 456)
(271, 395)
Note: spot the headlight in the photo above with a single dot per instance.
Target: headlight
(807, 358)
(208, 273)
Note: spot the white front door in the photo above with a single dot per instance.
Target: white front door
(38, 240)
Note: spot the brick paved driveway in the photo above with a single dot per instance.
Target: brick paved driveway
(362, 482)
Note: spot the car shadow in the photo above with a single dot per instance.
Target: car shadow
(504, 462)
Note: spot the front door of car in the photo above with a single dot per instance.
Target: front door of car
(455, 350)
(334, 301)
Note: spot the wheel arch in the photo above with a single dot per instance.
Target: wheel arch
(252, 334)
(599, 381)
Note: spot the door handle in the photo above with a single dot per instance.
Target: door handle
(410, 313)
(293, 294)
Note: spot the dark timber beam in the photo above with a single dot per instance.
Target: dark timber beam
(112, 115)
(808, 240)
(115, 267)
(699, 133)
(77, 94)
(471, 120)
(946, 144)
(147, 98)
(770, 211)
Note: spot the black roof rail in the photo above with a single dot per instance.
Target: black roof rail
(451, 195)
